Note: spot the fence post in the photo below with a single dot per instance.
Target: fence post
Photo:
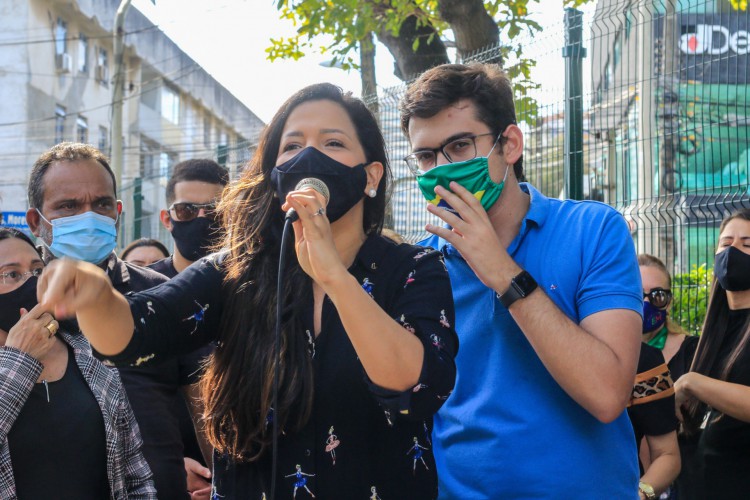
(137, 207)
(573, 52)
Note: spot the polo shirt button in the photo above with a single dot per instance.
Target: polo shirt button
(308, 452)
(373, 266)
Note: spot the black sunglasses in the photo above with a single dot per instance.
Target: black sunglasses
(659, 297)
(186, 211)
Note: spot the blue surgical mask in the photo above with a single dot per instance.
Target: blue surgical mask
(89, 236)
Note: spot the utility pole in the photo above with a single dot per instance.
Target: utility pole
(118, 84)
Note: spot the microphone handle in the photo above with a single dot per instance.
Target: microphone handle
(291, 215)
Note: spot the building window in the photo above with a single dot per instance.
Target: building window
(170, 105)
(61, 37)
(165, 162)
(103, 138)
(82, 130)
(207, 132)
(102, 66)
(83, 54)
(59, 124)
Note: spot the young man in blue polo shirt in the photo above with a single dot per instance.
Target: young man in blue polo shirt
(548, 304)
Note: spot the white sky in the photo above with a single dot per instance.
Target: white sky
(229, 37)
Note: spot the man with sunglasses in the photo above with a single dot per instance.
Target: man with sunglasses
(192, 193)
(548, 306)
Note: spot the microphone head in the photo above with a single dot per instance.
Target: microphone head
(316, 184)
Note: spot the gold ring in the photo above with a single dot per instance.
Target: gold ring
(320, 211)
(51, 327)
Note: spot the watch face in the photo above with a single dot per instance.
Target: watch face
(525, 283)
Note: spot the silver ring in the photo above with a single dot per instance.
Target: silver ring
(320, 211)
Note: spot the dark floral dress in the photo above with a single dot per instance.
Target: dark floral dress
(362, 441)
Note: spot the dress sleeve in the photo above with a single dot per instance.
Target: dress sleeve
(423, 305)
(175, 317)
(652, 403)
(18, 374)
(138, 477)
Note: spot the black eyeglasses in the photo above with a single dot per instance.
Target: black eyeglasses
(186, 211)
(461, 149)
(659, 297)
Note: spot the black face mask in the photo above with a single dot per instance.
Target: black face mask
(732, 270)
(12, 302)
(346, 184)
(195, 238)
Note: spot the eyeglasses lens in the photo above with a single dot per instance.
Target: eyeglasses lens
(189, 211)
(659, 297)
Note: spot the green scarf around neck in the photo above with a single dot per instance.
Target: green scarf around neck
(659, 339)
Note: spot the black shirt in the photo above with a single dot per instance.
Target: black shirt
(723, 452)
(359, 436)
(154, 391)
(655, 414)
(58, 446)
(683, 358)
(190, 368)
(165, 266)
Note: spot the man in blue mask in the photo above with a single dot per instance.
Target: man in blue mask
(548, 306)
(74, 213)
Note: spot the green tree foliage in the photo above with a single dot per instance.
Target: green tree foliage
(413, 32)
(691, 291)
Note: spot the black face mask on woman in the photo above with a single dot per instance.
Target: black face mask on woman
(12, 302)
(346, 184)
(732, 270)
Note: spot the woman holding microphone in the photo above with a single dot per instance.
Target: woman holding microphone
(367, 338)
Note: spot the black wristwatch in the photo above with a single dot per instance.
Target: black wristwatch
(520, 287)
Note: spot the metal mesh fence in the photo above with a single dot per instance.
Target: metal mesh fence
(663, 135)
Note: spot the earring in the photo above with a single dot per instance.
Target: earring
(372, 193)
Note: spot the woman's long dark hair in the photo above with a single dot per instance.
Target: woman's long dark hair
(237, 385)
(713, 333)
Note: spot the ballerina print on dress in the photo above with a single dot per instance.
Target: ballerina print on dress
(406, 324)
(198, 316)
(418, 451)
(410, 278)
(374, 494)
(444, 319)
(367, 286)
(300, 481)
(331, 444)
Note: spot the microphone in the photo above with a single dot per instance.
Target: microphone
(311, 183)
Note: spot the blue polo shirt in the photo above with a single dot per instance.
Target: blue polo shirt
(509, 430)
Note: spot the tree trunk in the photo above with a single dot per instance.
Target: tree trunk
(367, 74)
(410, 63)
(472, 26)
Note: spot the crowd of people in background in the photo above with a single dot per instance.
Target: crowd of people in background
(290, 346)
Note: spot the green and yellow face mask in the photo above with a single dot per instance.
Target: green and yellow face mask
(473, 175)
